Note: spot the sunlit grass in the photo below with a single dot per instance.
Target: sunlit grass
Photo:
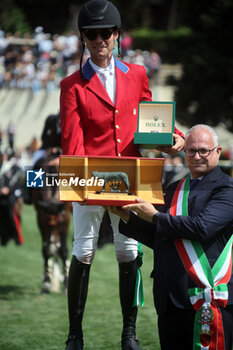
(30, 320)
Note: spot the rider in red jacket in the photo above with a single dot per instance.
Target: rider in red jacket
(98, 108)
(92, 124)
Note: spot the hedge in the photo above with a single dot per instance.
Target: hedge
(170, 45)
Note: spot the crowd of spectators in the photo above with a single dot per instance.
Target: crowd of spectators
(41, 60)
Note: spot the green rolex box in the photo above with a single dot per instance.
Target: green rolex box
(156, 122)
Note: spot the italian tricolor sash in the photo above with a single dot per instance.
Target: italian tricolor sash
(211, 284)
(138, 294)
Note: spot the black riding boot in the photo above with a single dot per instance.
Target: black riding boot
(127, 282)
(77, 295)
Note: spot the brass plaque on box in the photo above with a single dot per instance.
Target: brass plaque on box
(156, 123)
(110, 180)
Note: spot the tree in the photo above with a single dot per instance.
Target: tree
(205, 92)
(57, 16)
(12, 18)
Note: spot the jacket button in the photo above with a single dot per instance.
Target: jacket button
(119, 140)
(119, 154)
(116, 111)
(117, 127)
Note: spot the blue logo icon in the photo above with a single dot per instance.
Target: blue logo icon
(35, 178)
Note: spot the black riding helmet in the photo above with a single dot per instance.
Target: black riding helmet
(98, 14)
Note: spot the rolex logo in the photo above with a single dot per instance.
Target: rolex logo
(155, 122)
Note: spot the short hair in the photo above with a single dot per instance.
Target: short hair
(207, 127)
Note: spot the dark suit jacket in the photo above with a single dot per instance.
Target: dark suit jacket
(210, 221)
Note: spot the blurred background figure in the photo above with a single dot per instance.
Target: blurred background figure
(126, 43)
(174, 168)
(11, 136)
(11, 200)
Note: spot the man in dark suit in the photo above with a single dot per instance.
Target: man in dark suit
(192, 241)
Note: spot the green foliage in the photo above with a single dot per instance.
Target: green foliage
(204, 93)
(169, 44)
(12, 18)
(30, 320)
(17, 22)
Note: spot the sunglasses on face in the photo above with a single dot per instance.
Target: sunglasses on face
(105, 33)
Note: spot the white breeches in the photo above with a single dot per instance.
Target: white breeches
(87, 220)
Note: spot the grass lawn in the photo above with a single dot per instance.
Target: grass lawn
(31, 320)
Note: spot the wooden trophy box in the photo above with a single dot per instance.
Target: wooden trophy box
(110, 180)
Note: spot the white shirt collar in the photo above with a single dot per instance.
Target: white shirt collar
(198, 178)
(98, 70)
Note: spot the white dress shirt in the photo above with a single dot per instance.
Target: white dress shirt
(108, 78)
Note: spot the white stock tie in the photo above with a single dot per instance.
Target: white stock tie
(108, 84)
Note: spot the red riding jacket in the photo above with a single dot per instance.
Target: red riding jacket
(91, 124)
